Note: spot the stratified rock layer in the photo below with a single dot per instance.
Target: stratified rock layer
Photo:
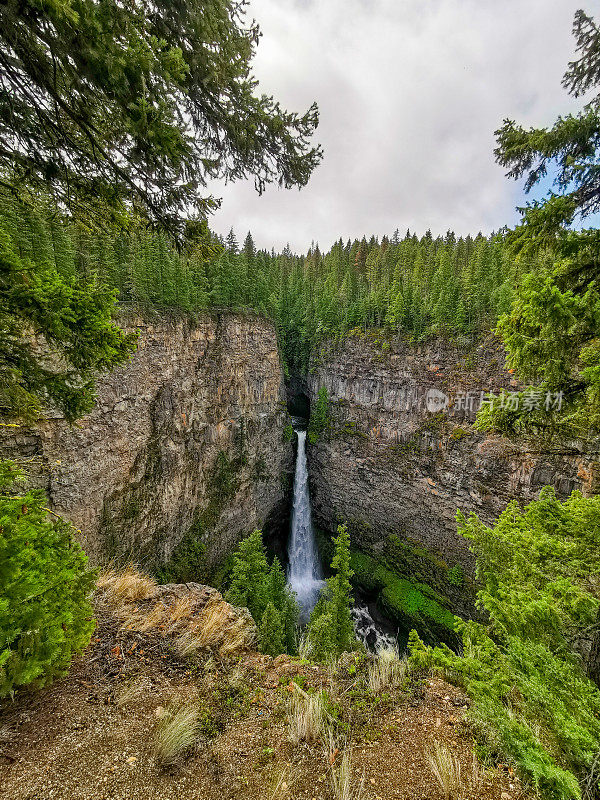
(187, 440)
(397, 472)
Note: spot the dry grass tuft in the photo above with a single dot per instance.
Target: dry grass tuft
(476, 776)
(387, 670)
(216, 626)
(128, 585)
(304, 647)
(180, 614)
(217, 629)
(237, 678)
(280, 784)
(187, 644)
(211, 624)
(306, 716)
(131, 691)
(150, 620)
(340, 771)
(445, 767)
(176, 733)
(236, 637)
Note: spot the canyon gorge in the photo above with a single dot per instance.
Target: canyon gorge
(190, 447)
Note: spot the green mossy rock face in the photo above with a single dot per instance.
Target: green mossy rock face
(410, 604)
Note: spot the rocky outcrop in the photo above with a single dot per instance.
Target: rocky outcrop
(185, 450)
(196, 616)
(401, 456)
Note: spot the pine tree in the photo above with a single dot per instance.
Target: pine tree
(341, 591)
(331, 626)
(249, 576)
(277, 585)
(257, 587)
(149, 102)
(321, 637)
(249, 249)
(291, 620)
(231, 242)
(73, 315)
(45, 613)
(270, 632)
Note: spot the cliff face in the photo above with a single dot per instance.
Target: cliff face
(185, 451)
(396, 464)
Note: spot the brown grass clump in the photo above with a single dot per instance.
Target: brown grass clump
(306, 716)
(445, 767)
(176, 734)
(280, 784)
(129, 585)
(149, 620)
(180, 613)
(141, 605)
(387, 670)
(216, 628)
(187, 644)
(342, 785)
(339, 757)
(131, 691)
(236, 637)
(211, 624)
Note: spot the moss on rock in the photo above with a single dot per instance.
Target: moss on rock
(410, 604)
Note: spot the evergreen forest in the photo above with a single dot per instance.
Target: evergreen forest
(413, 285)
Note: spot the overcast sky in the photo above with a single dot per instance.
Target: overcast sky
(410, 93)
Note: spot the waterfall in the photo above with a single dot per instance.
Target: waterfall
(304, 575)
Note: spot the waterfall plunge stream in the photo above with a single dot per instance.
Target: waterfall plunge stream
(304, 575)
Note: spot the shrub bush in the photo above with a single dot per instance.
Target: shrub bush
(528, 669)
(45, 611)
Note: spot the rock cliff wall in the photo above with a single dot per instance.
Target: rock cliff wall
(185, 451)
(396, 467)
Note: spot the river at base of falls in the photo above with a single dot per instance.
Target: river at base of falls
(305, 575)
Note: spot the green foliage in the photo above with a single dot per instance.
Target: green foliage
(403, 598)
(270, 632)
(321, 633)
(550, 333)
(45, 612)
(319, 418)
(288, 433)
(188, 559)
(331, 631)
(291, 622)
(416, 286)
(309, 299)
(40, 304)
(257, 586)
(526, 669)
(456, 575)
(123, 105)
(248, 586)
(407, 601)
(420, 656)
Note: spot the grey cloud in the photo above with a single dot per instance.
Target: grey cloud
(410, 93)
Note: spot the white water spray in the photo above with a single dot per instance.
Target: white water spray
(304, 575)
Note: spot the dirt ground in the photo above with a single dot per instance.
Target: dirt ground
(91, 735)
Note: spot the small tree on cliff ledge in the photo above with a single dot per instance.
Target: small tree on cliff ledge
(45, 611)
(331, 631)
(263, 591)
